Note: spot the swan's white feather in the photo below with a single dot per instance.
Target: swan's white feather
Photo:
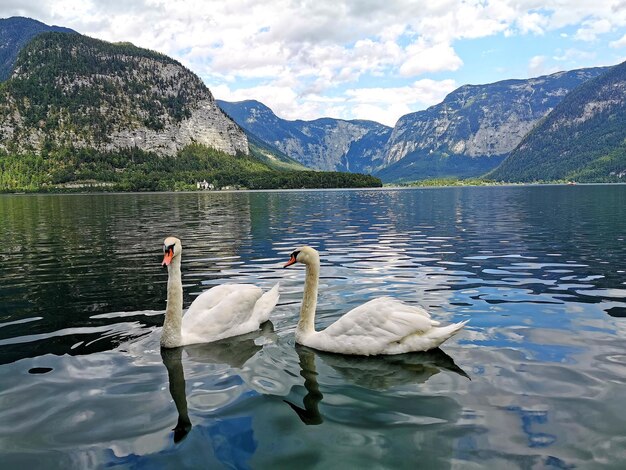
(216, 295)
(227, 310)
(266, 304)
(381, 326)
(387, 318)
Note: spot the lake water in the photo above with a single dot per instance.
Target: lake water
(536, 380)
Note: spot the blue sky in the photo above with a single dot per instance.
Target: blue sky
(352, 59)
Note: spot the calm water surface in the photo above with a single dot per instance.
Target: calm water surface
(536, 380)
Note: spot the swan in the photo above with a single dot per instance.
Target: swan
(220, 312)
(380, 326)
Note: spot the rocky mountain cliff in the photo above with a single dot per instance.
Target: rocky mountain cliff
(475, 127)
(470, 133)
(69, 90)
(15, 32)
(271, 156)
(323, 144)
(583, 138)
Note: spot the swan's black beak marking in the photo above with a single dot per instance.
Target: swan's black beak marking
(168, 254)
(292, 259)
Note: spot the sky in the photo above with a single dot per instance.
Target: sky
(352, 59)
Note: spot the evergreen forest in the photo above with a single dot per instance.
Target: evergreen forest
(83, 169)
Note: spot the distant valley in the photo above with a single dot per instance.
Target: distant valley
(468, 135)
(323, 144)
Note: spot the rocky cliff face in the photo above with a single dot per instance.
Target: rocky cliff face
(475, 122)
(71, 90)
(205, 125)
(323, 144)
(583, 138)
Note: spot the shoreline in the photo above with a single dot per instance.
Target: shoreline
(390, 186)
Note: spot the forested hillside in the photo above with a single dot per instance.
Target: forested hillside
(583, 138)
(137, 170)
(69, 89)
(15, 32)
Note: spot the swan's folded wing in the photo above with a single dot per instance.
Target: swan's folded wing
(227, 310)
(380, 321)
(210, 298)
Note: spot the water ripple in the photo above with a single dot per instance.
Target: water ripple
(535, 379)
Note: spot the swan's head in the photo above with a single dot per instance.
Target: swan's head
(305, 255)
(172, 248)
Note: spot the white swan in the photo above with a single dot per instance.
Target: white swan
(220, 312)
(380, 326)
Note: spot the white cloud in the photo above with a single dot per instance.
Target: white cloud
(422, 58)
(591, 29)
(618, 44)
(533, 22)
(425, 92)
(575, 12)
(282, 100)
(385, 105)
(297, 54)
(387, 113)
(539, 65)
(574, 55)
(536, 66)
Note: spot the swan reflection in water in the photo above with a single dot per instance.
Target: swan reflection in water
(234, 352)
(373, 373)
(172, 359)
(377, 373)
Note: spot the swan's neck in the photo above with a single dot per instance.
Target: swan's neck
(306, 325)
(171, 335)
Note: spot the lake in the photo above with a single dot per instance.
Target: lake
(535, 380)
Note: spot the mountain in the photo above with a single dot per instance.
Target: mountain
(69, 90)
(323, 144)
(271, 156)
(15, 32)
(470, 133)
(583, 138)
(475, 127)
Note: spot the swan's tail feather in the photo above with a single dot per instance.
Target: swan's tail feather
(266, 304)
(446, 332)
(432, 338)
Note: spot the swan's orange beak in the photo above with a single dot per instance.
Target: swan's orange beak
(291, 261)
(167, 258)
